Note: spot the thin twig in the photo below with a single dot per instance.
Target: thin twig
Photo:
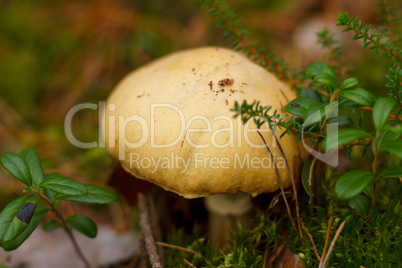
(310, 183)
(293, 184)
(188, 263)
(275, 254)
(312, 241)
(331, 247)
(331, 220)
(147, 232)
(177, 247)
(278, 176)
(66, 228)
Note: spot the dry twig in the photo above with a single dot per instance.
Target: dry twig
(188, 263)
(331, 247)
(177, 247)
(280, 183)
(147, 232)
(331, 220)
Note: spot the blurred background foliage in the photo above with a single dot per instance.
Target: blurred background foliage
(55, 54)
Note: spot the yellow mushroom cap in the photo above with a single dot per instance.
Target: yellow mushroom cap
(170, 123)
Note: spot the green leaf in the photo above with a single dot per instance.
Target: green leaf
(298, 106)
(50, 225)
(343, 136)
(340, 120)
(381, 110)
(359, 96)
(16, 216)
(345, 103)
(314, 113)
(349, 83)
(360, 203)
(394, 126)
(352, 183)
(318, 68)
(391, 172)
(96, 195)
(394, 147)
(16, 165)
(306, 174)
(34, 165)
(368, 190)
(326, 79)
(387, 137)
(63, 185)
(40, 212)
(309, 93)
(83, 224)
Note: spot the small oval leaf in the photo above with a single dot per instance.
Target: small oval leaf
(16, 165)
(359, 96)
(96, 195)
(83, 224)
(50, 225)
(394, 147)
(63, 185)
(360, 203)
(34, 165)
(40, 212)
(352, 183)
(338, 138)
(381, 110)
(326, 79)
(317, 68)
(299, 105)
(10, 225)
(391, 172)
(348, 83)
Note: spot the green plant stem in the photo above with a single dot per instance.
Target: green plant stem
(310, 184)
(322, 127)
(280, 184)
(66, 228)
(374, 170)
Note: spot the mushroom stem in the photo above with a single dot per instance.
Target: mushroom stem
(227, 212)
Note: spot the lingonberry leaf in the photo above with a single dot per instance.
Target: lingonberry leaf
(50, 225)
(359, 96)
(40, 212)
(349, 83)
(352, 183)
(391, 172)
(16, 165)
(16, 216)
(343, 136)
(326, 79)
(381, 110)
(96, 195)
(34, 165)
(63, 185)
(360, 203)
(317, 68)
(299, 105)
(83, 224)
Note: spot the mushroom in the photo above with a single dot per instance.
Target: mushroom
(170, 123)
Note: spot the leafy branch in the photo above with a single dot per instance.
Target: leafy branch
(242, 40)
(370, 38)
(23, 215)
